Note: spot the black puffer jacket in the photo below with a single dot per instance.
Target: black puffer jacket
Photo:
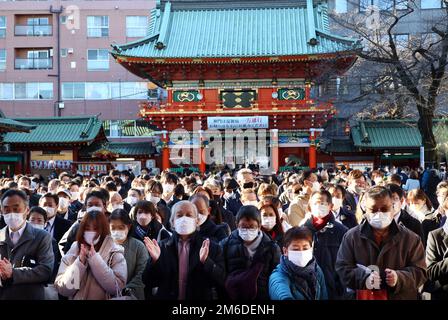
(326, 245)
(236, 259)
(210, 230)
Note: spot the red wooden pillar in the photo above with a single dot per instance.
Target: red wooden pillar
(274, 150)
(201, 153)
(165, 152)
(312, 151)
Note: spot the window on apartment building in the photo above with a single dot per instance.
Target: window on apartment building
(63, 19)
(384, 5)
(6, 91)
(33, 90)
(107, 90)
(2, 26)
(73, 90)
(97, 90)
(97, 26)
(2, 59)
(341, 6)
(136, 26)
(432, 4)
(129, 90)
(37, 21)
(97, 59)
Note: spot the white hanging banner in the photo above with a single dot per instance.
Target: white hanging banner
(254, 122)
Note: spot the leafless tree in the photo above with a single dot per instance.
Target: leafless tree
(404, 72)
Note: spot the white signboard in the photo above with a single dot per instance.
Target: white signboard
(254, 122)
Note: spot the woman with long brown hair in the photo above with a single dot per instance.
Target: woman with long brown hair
(94, 268)
(271, 223)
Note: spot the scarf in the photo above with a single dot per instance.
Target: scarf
(252, 248)
(304, 278)
(320, 223)
(140, 231)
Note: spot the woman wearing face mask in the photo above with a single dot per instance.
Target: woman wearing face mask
(298, 276)
(146, 222)
(96, 200)
(327, 234)
(169, 181)
(419, 206)
(341, 214)
(135, 252)
(185, 266)
(250, 257)
(153, 193)
(379, 254)
(94, 262)
(274, 201)
(134, 196)
(271, 223)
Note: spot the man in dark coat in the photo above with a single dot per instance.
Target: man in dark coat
(26, 252)
(401, 216)
(264, 257)
(56, 225)
(437, 262)
(327, 234)
(379, 254)
(356, 187)
(207, 228)
(165, 271)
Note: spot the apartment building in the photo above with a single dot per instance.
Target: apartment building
(55, 61)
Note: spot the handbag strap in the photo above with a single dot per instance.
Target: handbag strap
(118, 291)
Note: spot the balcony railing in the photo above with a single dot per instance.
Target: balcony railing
(33, 31)
(31, 64)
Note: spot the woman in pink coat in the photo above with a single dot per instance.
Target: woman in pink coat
(94, 268)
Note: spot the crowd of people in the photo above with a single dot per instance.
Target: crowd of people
(227, 235)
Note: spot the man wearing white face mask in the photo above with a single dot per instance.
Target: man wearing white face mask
(250, 257)
(357, 185)
(394, 254)
(341, 214)
(64, 205)
(27, 257)
(328, 234)
(298, 276)
(55, 225)
(75, 204)
(200, 265)
(402, 216)
(207, 228)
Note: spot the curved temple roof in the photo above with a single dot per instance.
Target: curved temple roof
(237, 33)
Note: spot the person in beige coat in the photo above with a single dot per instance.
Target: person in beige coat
(94, 268)
(297, 209)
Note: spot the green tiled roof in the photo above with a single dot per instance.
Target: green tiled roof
(132, 128)
(10, 125)
(237, 32)
(57, 130)
(132, 149)
(393, 133)
(121, 148)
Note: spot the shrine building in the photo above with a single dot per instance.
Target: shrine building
(237, 65)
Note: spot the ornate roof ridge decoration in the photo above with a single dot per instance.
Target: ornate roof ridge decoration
(232, 4)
